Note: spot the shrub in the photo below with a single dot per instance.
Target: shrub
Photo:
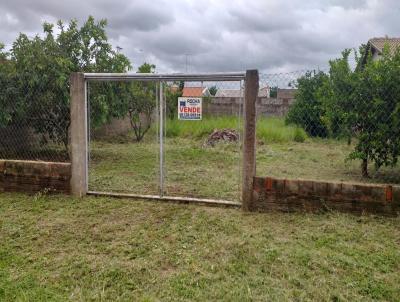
(308, 110)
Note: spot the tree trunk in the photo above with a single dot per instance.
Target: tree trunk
(364, 168)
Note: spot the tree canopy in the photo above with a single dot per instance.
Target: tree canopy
(362, 104)
(34, 76)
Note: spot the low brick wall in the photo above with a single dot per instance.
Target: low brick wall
(294, 195)
(34, 176)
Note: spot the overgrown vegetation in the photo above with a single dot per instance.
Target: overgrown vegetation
(269, 129)
(361, 104)
(56, 248)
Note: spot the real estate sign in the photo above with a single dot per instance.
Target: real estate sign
(189, 108)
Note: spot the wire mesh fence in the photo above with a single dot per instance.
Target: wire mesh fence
(124, 137)
(166, 138)
(203, 156)
(336, 124)
(34, 119)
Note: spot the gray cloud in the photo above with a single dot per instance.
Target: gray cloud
(274, 36)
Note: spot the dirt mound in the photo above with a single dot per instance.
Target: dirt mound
(224, 135)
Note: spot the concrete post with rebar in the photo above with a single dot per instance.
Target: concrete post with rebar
(79, 139)
(249, 142)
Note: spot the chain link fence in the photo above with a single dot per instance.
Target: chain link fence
(332, 124)
(166, 138)
(339, 124)
(34, 119)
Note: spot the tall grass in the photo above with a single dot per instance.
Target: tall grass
(270, 129)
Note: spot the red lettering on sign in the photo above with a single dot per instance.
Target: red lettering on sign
(190, 109)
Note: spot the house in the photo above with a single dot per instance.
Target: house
(195, 92)
(375, 47)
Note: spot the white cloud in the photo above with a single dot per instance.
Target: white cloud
(219, 35)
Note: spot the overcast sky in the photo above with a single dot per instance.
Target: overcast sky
(218, 35)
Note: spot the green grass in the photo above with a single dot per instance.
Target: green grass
(56, 248)
(318, 159)
(268, 129)
(191, 169)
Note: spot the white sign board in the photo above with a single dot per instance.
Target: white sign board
(189, 108)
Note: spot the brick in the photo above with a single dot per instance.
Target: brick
(389, 193)
(396, 195)
(306, 187)
(268, 184)
(31, 176)
(321, 188)
(378, 194)
(349, 191)
(291, 186)
(334, 190)
(278, 185)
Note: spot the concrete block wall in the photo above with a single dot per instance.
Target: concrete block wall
(218, 106)
(295, 194)
(34, 176)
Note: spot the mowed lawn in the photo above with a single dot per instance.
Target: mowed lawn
(56, 248)
(193, 169)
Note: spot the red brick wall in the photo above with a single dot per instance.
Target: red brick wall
(34, 176)
(292, 195)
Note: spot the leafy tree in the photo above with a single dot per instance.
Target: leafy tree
(8, 90)
(42, 70)
(362, 104)
(308, 110)
(367, 101)
(171, 96)
(140, 100)
(336, 93)
(273, 93)
(213, 90)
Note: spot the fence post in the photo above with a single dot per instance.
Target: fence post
(249, 142)
(78, 134)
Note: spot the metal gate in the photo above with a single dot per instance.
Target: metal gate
(140, 145)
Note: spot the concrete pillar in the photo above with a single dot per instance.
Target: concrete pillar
(249, 142)
(79, 139)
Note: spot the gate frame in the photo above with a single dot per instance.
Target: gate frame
(79, 131)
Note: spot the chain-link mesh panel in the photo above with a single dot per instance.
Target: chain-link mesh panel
(34, 119)
(124, 137)
(338, 124)
(140, 144)
(203, 152)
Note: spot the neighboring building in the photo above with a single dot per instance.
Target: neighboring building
(264, 92)
(287, 95)
(228, 93)
(228, 102)
(375, 47)
(195, 92)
